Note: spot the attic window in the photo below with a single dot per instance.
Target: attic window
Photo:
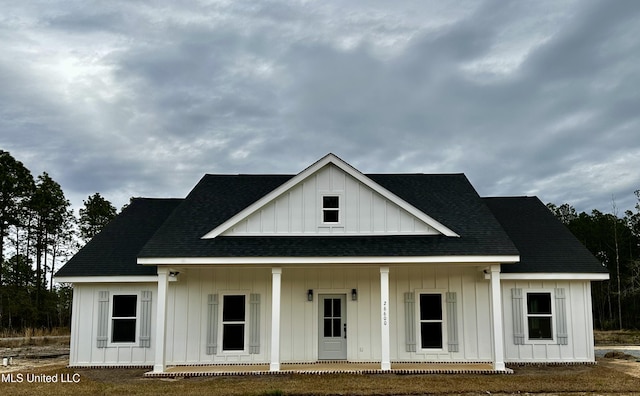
(330, 209)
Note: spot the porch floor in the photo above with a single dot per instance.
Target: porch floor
(333, 367)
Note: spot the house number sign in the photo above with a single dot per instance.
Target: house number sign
(384, 312)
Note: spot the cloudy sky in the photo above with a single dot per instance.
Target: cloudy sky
(141, 98)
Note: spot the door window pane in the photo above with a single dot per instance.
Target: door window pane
(336, 327)
(336, 308)
(327, 307)
(328, 328)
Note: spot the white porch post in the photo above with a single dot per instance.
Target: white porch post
(496, 319)
(385, 363)
(276, 274)
(161, 320)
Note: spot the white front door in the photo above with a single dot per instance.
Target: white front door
(332, 339)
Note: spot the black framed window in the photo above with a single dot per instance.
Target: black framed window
(123, 318)
(431, 321)
(331, 209)
(539, 316)
(233, 322)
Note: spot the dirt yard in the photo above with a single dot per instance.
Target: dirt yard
(616, 374)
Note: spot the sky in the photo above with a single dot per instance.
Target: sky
(142, 98)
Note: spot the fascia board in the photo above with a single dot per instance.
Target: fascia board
(106, 279)
(553, 276)
(466, 260)
(329, 158)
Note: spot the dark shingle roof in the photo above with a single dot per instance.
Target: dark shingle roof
(450, 199)
(545, 244)
(114, 250)
(487, 226)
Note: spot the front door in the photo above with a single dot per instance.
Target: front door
(333, 327)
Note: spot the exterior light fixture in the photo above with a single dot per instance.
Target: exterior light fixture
(310, 295)
(354, 295)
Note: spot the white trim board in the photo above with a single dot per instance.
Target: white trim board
(107, 279)
(510, 259)
(552, 276)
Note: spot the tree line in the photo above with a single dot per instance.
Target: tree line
(39, 232)
(615, 240)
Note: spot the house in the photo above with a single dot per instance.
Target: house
(332, 265)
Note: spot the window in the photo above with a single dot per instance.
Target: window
(539, 316)
(233, 322)
(431, 321)
(330, 209)
(123, 318)
(332, 316)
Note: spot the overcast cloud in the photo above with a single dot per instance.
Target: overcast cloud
(134, 98)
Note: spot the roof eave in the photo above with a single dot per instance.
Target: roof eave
(358, 260)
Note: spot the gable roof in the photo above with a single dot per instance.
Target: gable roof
(315, 167)
(113, 251)
(449, 199)
(545, 244)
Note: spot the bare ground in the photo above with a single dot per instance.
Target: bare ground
(29, 357)
(54, 358)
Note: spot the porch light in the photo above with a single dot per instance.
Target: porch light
(354, 295)
(310, 295)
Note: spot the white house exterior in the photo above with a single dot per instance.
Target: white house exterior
(332, 265)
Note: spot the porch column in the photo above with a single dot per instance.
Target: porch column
(385, 363)
(276, 274)
(496, 319)
(161, 320)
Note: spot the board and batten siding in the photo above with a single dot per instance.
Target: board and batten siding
(472, 311)
(299, 210)
(187, 313)
(188, 304)
(84, 350)
(578, 346)
(299, 326)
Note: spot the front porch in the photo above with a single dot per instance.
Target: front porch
(328, 367)
(290, 324)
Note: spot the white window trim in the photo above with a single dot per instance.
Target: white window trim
(111, 318)
(340, 209)
(445, 341)
(221, 323)
(525, 310)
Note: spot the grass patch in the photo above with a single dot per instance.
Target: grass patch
(32, 332)
(617, 337)
(531, 379)
(34, 337)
